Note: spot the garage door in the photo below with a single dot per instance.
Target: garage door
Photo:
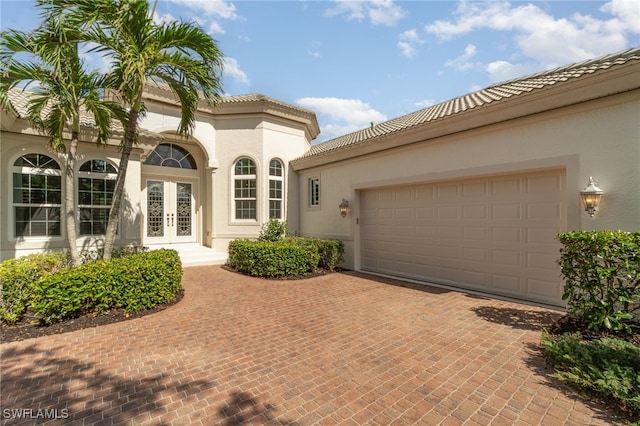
(492, 234)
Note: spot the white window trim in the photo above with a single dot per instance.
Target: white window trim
(234, 178)
(313, 192)
(78, 206)
(282, 197)
(11, 213)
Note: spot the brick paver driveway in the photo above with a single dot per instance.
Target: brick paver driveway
(344, 348)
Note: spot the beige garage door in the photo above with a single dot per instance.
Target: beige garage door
(493, 234)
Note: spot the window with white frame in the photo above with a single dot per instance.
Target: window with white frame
(276, 189)
(171, 155)
(96, 184)
(314, 192)
(244, 189)
(37, 196)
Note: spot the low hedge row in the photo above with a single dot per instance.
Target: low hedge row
(16, 281)
(134, 282)
(602, 277)
(293, 256)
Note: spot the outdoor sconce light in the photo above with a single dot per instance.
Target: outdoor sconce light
(591, 197)
(344, 207)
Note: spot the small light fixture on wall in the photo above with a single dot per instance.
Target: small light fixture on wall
(344, 207)
(591, 197)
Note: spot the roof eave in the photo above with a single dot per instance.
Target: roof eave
(604, 83)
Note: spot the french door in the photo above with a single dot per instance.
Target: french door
(170, 212)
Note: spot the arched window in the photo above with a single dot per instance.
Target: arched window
(244, 189)
(170, 155)
(96, 184)
(37, 196)
(276, 189)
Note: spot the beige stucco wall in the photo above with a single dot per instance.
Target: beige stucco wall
(599, 138)
(13, 145)
(261, 140)
(221, 141)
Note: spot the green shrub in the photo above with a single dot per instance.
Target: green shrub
(17, 277)
(91, 255)
(272, 258)
(331, 252)
(135, 282)
(274, 230)
(609, 367)
(602, 277)
(292, 256)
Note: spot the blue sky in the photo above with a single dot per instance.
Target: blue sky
(353, 62)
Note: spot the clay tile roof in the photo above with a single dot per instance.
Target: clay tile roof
(19, 99)
(495, 93)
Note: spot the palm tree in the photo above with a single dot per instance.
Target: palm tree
(61, 91)
(179, 55)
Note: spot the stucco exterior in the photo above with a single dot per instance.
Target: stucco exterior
(562, 126)
(582, 128)
(251, 126)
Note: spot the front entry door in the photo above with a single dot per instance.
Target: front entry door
(170, 212)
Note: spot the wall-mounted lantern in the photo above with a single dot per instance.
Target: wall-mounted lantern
(591, 197)
(344, 207)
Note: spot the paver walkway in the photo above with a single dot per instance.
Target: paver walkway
(343, 348)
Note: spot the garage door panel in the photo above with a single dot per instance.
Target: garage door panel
(506, 211)
(510, 284)
(506, 258)
(507, 234)
(543, 289)
(447, 212)
(544, 185)
(475, 212)
(543, 211)
(495, 234)
(542, 235)
(475, 233)
(475, 189)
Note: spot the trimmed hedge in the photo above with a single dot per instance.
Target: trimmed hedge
(272, 258)
(17, 277)
(330, 251)
(135, 282)
(602, 277)
(286, 257)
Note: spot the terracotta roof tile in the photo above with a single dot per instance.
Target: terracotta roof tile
(495, 93)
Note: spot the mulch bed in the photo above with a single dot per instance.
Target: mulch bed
(26, 330)
(569, 324)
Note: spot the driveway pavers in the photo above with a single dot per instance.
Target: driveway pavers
(344, 348)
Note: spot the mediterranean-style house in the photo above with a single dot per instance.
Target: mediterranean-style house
(468, 193)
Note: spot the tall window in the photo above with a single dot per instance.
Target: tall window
(314, 192)
(37, 196)
(244, 189)
(96, 183)
(276, 180)
(170, 155)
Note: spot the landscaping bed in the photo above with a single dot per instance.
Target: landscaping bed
(24, 329)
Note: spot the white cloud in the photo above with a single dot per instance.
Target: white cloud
(627, 14)
(462, 63)
(408, 41)
(379, 12)
(425, 103)
(232, 69)
(548, 40)
(216, 8)
(502, 71)
(341, 116)
(208, 13)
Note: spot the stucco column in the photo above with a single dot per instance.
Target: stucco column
(209, 203)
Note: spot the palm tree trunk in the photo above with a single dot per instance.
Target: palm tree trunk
(118, 193)
(69, 192)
